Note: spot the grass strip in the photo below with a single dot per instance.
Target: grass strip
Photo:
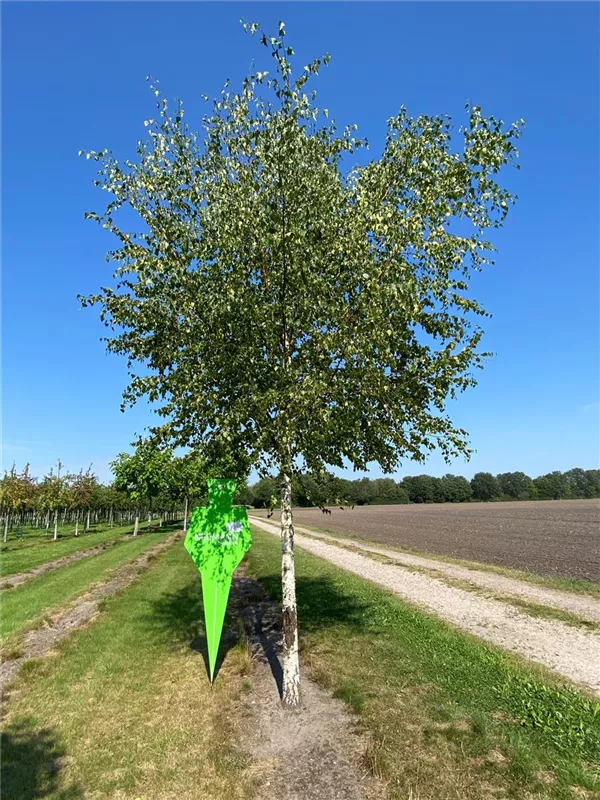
(24, 555)
(127, 710)
(25, 606)
(449, 716)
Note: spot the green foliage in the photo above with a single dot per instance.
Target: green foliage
(284, 308)
(515, 485)
(485, 486)
(143, 475)
(326, 489)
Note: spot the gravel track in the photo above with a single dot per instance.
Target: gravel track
(585, 606)
(569, 651)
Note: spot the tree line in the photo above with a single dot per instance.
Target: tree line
(148, 483)
(311, 490)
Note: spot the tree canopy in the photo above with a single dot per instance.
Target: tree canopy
(287, 304)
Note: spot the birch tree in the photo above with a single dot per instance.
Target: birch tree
(279, 300)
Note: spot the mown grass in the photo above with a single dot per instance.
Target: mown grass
(35, 549)
(577, 585)
(27, 605)
(127, 711)
(448, 715)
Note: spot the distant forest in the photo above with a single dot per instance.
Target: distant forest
(311, 490)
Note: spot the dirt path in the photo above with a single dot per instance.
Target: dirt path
(21, 577)
(41, 641)
(573, 653)
(314, 753)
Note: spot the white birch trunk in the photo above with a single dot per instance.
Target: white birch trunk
(47, 520)
(56, 524)
(149, 519)
(87, 521)
(136, 525)
(77, 523)
(6, 522)
(110, 518)
(185, 513)
(291, 664)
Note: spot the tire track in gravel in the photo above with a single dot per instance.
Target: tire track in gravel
(40, 641)
(569, 651)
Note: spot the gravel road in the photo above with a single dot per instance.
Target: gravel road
(572, 652)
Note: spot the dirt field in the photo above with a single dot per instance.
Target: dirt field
(555, 537)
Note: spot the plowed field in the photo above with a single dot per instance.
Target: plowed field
(558, 538)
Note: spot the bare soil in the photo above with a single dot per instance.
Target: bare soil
(556, 538)
(313, 753)
(41, 641)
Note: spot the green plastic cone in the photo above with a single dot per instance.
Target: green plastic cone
(217, 538)
(214, 595)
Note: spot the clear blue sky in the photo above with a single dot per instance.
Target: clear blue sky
(73, 78)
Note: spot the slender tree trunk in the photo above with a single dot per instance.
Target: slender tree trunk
(149, 519)
(185, 513)
(87, 521)
(77, 524)
(55, 524)
(291, 665)
(110, 517)
(6, 522)
(136, 525)
(47, 520)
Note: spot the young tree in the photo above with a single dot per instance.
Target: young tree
(84, 491)
(143, 476)
(292, 310)
(54, 493)
(17, 493)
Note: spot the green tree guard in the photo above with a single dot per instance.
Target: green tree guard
(217, 539)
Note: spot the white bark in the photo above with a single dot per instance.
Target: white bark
(291, 664)
(185, 513)
(47, 520)
(87, 521)
(110, 518)
(56, 524)
(77, 524)
(136, 525)
(6, 521)
(149, 519)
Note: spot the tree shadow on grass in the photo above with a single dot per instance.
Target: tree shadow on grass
(180, 615)
(32, 760)
(322, 604)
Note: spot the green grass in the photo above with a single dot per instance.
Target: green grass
(448, 715)
(36, 548)
(127, 711)
(25, 606)
(577, 585)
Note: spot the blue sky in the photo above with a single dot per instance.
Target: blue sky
(73, 77)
